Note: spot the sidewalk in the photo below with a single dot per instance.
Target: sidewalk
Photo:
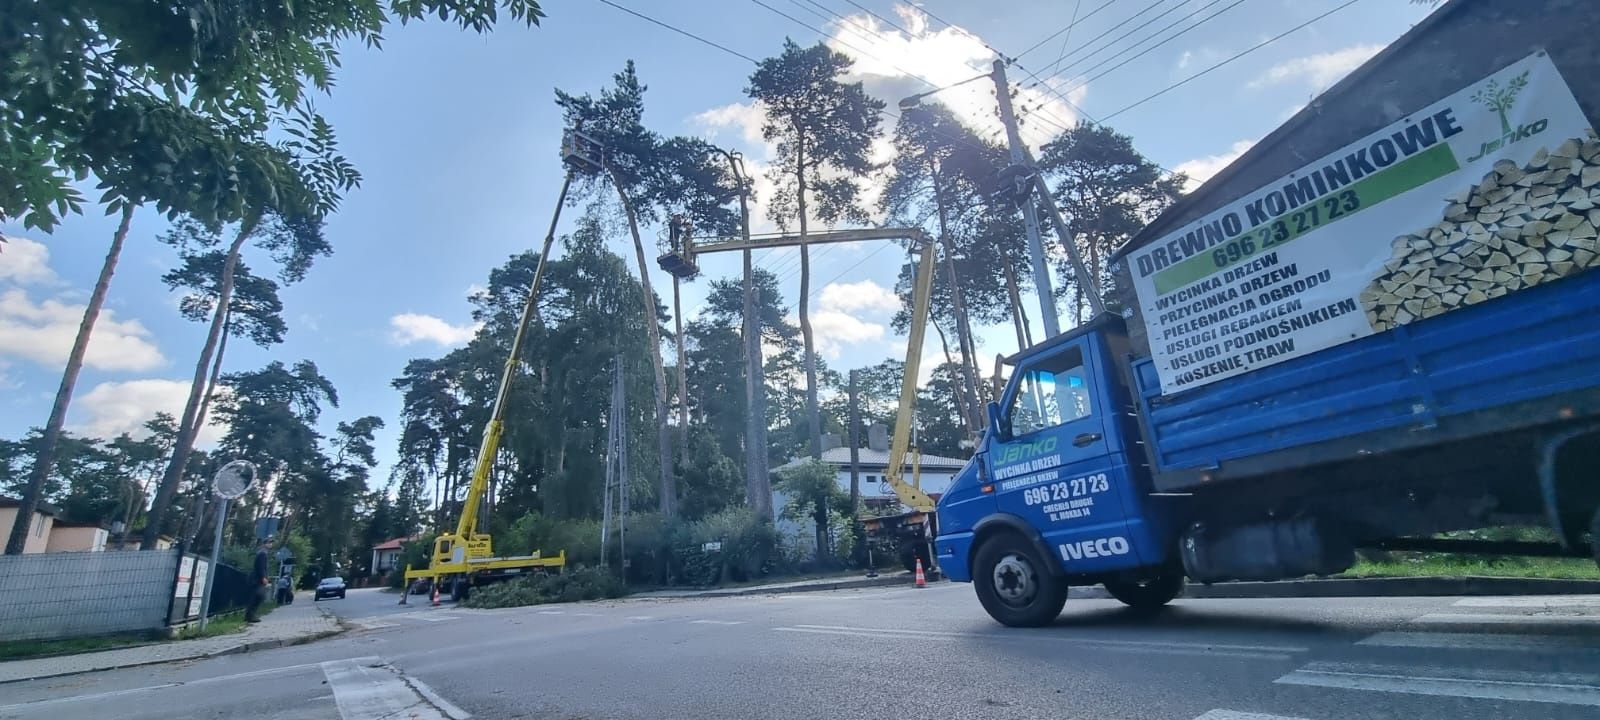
(835, 583)
(293, 624)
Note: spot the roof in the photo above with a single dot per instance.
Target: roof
(42, 509)
(73, 524)
(393, 544)
(879, 458)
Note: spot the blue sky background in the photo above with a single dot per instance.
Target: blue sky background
(457, 136)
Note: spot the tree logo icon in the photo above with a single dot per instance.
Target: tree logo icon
(1500, 99)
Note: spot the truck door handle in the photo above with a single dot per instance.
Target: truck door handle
(1085, 439)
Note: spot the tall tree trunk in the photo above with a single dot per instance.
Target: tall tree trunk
(190, 426)
(970, 407)
(46, 458)
(683, 374)
(1019, 317)
(757, 485)
(813, 413)
(216, 367)
(669, 481)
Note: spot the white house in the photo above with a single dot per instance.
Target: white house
(77, 537)
(44, 517)
(936, 472)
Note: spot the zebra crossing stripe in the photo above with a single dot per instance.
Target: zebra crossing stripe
(1555, 688)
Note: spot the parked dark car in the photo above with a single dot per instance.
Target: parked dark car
(330, 587)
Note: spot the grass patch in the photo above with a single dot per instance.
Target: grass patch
(571, 586)
(1435, 566)
(71, 646)
(220, 625)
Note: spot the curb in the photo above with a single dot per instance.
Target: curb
(234, 650)
(1376, 587)
(849, 584)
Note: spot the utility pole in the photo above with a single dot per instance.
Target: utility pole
(1041, 272)
(855, 468)
(855, 450)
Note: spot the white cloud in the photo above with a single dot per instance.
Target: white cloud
(863, 295)
(832, 330)
(886, 58)
(745, 117)
(409, 328)
(1183, 60)
(113, 408)
(25, 262)
(1319, 71)
(1201, 169)
(43, 332)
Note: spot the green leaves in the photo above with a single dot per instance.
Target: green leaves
(818, 122)
(171, 101)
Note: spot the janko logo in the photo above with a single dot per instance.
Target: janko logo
(1023, 451)
(1500, 99)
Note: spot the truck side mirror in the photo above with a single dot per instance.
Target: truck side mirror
(996, 427)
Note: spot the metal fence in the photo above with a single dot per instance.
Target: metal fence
(60, 595)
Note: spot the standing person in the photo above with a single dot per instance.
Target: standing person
(258, 582)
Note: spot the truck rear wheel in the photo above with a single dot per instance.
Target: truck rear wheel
(1147, 593)
(1014, 584)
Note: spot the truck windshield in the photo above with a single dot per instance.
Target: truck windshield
(1053, 392)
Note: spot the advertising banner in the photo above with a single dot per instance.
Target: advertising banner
(1490, 190)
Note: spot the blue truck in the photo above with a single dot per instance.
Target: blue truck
(1377, 326)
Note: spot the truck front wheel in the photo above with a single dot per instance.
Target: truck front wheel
(1014, 584)
(1147, 593)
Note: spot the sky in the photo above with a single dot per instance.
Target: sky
(457, 136)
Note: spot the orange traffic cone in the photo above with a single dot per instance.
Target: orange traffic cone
(436, 593)
(922, 580)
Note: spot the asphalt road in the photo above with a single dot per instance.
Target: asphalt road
(887, 653)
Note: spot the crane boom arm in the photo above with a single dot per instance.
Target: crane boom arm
(467, 525)
(910, 495)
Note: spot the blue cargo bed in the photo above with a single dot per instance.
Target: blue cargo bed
(1529, 358)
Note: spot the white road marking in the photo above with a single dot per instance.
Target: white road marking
(1236, 715)
(372, 690)
(588, 614)
(1491, 619)
(552, 612)
(1482, 641)
(640, 617)
(439, 618)
(1531, 601)
(162, 686)
(716, 622)
(1557, 688)
(1259, 652)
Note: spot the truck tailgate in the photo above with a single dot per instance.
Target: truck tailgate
(1477, 370)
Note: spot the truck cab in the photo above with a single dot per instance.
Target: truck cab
(1057, 492)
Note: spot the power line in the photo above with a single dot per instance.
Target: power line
(1148, 50)
(885, 20)
(1241, 54)
(1068, 39)
(1068, 28)
(924, 10)
(1052, 66)
(681, 31)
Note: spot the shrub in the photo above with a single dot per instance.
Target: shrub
(572, 586)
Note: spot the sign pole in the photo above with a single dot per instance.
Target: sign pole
(216, 556)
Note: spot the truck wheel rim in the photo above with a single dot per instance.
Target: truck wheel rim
(1014, 580)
